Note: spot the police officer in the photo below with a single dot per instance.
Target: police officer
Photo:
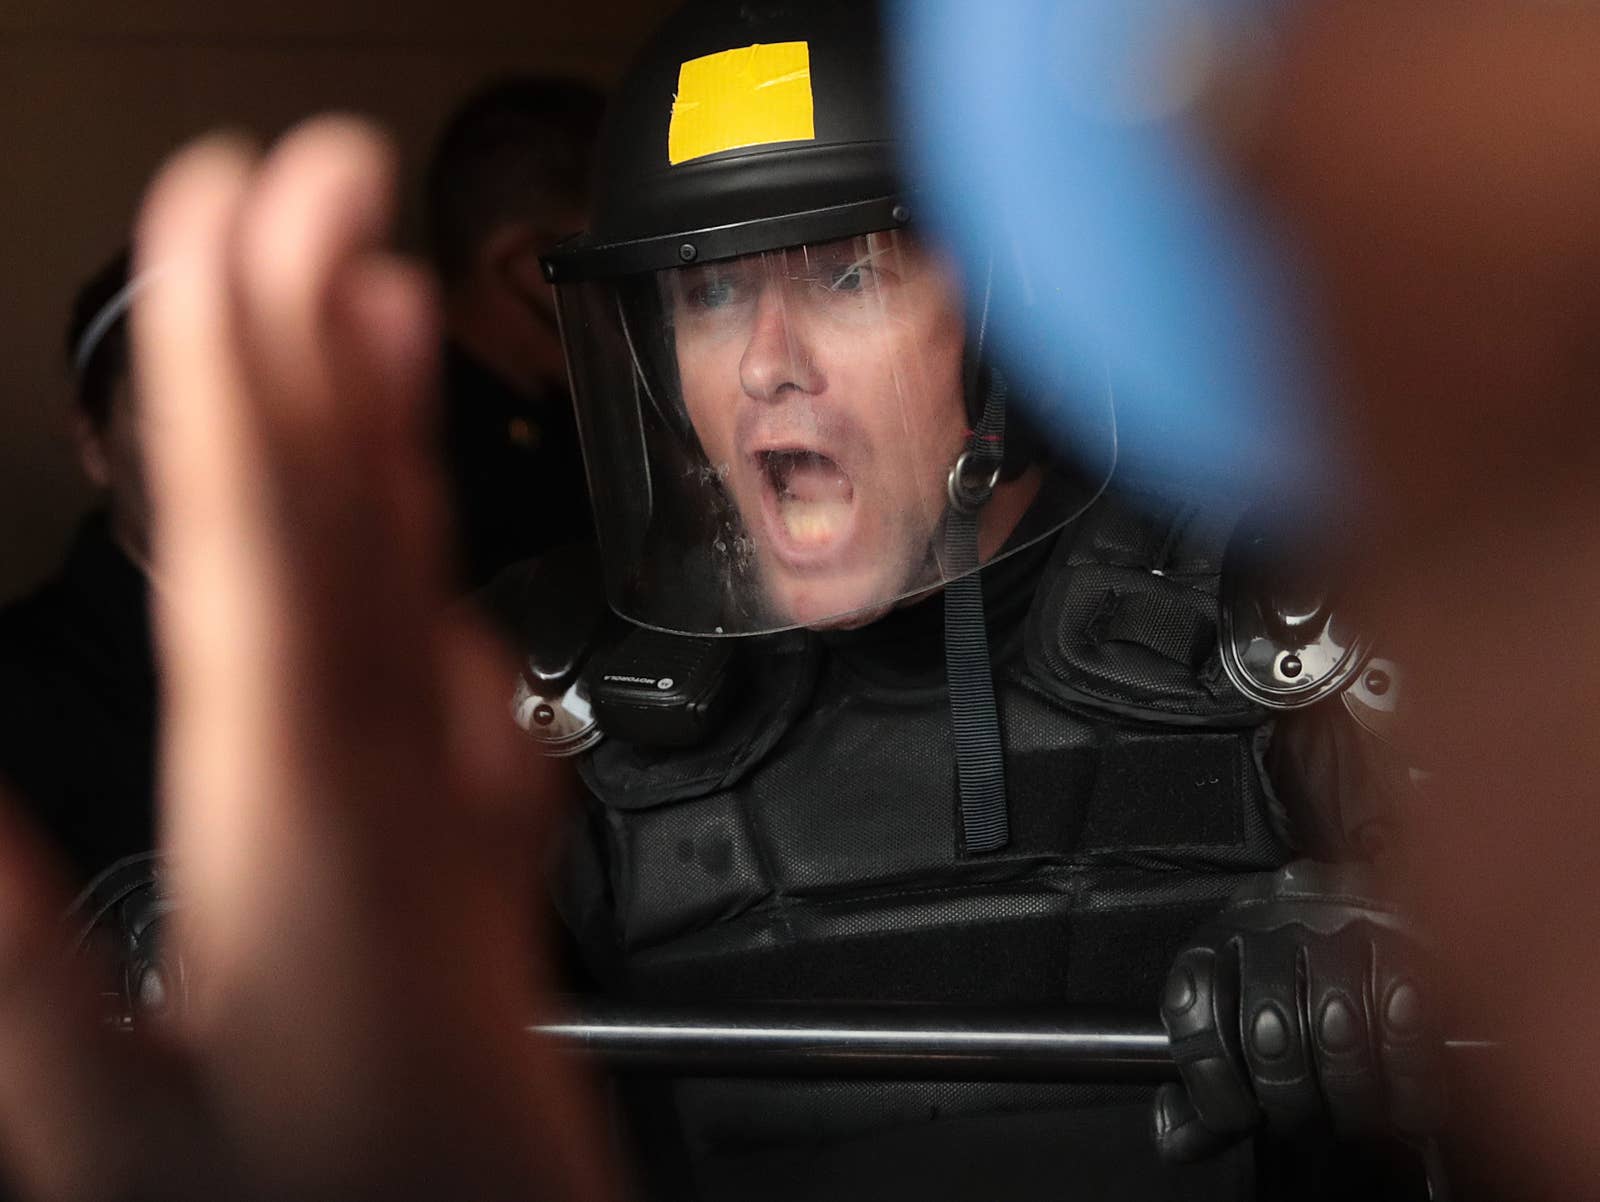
(506, 181)
(914, 781)
(77, 670)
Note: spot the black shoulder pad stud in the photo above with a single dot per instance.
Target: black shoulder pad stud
(1285, 641)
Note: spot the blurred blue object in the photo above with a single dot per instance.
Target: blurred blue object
(1056, 136)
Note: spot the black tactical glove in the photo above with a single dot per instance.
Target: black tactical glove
(1303, 1004)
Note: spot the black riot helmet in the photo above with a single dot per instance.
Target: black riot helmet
(679, 179)
(782, 400)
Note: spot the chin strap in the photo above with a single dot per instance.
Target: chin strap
(974, 718)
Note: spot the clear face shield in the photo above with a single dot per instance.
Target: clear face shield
(770, 439)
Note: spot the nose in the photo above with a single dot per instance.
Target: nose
(778, 358)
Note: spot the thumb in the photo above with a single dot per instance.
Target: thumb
(1181, 1136)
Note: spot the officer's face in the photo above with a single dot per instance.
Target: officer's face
(825, 384)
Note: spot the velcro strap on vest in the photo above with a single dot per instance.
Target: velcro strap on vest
(1161, 623)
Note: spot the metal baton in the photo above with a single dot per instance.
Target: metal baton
(907, 1042)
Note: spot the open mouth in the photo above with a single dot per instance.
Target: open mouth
(809, 496)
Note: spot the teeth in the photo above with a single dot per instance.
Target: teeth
(812, 523)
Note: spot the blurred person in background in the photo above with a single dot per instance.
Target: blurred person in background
(77, 674)
(509, 177)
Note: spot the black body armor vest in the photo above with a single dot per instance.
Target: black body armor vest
(811, 850)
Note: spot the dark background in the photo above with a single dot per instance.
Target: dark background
(95, 93)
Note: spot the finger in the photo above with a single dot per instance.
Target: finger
(1338, 1008)
(1274, 1039)
(1200, 1008)
(215, 604)
(360, 521)
(382, 346)
(183, 334)
(322, 202)
(1409, 1048)
(338, 338)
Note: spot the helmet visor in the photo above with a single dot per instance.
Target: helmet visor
(770, 439)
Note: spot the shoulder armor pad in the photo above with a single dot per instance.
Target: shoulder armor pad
(553, 610)
(1284, 640)
(122, 913)
(1125, 620)
(1375, 697)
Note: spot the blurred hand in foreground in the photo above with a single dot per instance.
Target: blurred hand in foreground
(1436, 164)
(344, 795)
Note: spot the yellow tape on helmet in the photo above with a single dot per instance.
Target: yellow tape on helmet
(751, 96)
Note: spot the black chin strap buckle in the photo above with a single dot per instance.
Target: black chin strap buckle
(971, 481)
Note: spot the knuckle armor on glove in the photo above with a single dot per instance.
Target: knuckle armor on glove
(1303, 1003)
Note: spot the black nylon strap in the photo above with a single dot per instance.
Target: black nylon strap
(1163, 624)
(974, 718)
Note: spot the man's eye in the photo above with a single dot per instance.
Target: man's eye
(854, 277)
(713, 294)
